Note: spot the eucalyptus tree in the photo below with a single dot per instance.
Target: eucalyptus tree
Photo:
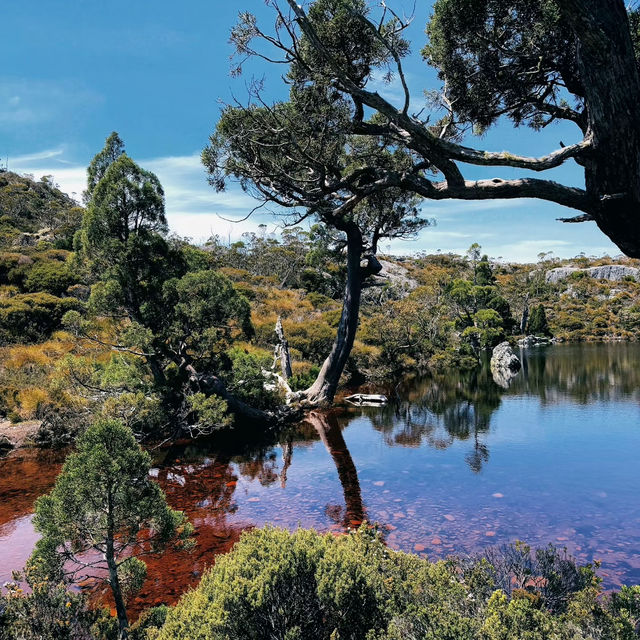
(533, 61)
(301, 155)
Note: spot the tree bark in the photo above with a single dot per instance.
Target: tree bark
(114, 581)
(282, 351)
(609, 73)
(323, 390)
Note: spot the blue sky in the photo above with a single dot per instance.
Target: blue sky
(156, 72)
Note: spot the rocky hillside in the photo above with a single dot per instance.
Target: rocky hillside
(34, 210)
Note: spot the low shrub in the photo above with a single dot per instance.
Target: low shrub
(302, 585)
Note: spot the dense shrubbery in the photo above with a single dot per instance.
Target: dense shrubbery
(30, 317)
(275, 584)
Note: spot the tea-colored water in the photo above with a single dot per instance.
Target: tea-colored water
(453, 464)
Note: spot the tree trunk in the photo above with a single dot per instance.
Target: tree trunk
(114, 581)
(323, 390)
(525, 315)
(282, 351)
(609, 74)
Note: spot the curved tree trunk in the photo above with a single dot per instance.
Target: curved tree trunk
(323, 390)
(609, 73)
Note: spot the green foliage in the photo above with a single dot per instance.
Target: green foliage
(538, 325)
(52, 277)
(33, 316)
(306, 586)
(125, 209)
(104, 501)
(500, 58)
(210, 413)
(205, 309)
(150, 620)
(487, 330)
(248, 380)
(112, 150)
(48, 611)
(301, 380)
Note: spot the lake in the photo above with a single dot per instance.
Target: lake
(453, 464)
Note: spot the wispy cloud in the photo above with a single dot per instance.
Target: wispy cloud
(28, 102)
(515, 229)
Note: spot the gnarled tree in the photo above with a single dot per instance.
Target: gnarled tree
(534, 61)
(302, 155)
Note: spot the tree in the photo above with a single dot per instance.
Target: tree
(301, 155)
(103, 513)
(165, 305)
(538, 325)
(113, 149)
(534, 61)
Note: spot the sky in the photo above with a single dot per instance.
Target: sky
(158, 72)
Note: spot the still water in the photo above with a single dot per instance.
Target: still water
(452, 465)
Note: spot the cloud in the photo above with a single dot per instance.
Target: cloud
(516, 230)
(193, 207)
(27, 102)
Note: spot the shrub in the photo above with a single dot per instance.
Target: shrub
(303, 585)
(32, 316)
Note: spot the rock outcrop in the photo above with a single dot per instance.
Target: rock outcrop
(505, 364)
(611, 272)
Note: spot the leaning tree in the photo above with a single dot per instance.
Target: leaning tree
(300, 154)
(340, 151)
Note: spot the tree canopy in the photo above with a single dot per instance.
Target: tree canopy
(534, 61)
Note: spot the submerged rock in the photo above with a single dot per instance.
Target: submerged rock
(505, 364)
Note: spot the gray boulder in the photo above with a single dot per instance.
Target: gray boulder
(611, 272)
(556, 275)
(505, 364)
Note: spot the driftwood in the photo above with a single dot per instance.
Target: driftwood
(367, 399)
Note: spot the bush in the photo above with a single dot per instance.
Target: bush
(50, 612)
(32, 316)
(249, 382)
(303, 585)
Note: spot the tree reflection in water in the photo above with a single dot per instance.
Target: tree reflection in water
(440, 409)
(353, 512)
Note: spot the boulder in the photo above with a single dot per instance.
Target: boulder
(556, 275)
(611, 272)
(505, 364)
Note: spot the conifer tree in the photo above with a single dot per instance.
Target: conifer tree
(103, 513)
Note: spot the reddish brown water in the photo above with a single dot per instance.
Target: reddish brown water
(452, 466)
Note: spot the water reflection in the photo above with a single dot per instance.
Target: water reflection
(585, 374)
(441, 409)
(452, 464)
(353, 512)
